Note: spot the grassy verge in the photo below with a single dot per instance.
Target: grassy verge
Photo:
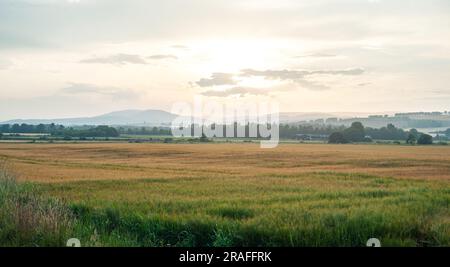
(26, 219)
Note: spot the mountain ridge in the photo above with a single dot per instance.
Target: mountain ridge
(122, 117)
(155, 117)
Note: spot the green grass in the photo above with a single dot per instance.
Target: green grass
(27, 219)
(316, 209)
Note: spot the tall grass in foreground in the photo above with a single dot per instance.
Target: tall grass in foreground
(27, 219)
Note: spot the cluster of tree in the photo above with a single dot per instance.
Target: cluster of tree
(292, 131)
(30, 128)
(60, 130)
(423, 139)
(144, 130)
(99, 131)
(357, 133)
(390, 132)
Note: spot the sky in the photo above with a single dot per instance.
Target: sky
(72, 58)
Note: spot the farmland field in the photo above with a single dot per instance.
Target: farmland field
(241, 195)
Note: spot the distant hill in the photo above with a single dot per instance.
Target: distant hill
(124, 117)
(150, 117)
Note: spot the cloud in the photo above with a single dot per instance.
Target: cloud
(311, 85)
(90, 89)
(364, 84)
(236, 91)
(80, 24)
(275, 74)
(162, 57)
(295, 75)
(217, 78)
(183, 47)
(298, 77)
(355, 71)
(317, 55)
(246, 91)
(118, 59)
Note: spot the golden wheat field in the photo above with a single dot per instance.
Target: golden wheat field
(73, 162)
(234, 194)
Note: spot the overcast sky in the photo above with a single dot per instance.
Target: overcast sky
(65, 58)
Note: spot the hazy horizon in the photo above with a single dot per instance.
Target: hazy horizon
(83, 58)
(339, 114)
(348, 113)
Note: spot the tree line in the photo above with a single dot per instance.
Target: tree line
(290, 131)
(59, 130)
(358, 133)
(337, 134)
(144, 130)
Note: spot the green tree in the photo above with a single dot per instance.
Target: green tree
(425, 139)
(337, 138)
(355, 133)
(411, 139)
(4, 128)
(40, 128)
(414, 132)
(15, 128)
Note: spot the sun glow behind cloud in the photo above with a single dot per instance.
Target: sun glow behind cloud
(232, 55)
